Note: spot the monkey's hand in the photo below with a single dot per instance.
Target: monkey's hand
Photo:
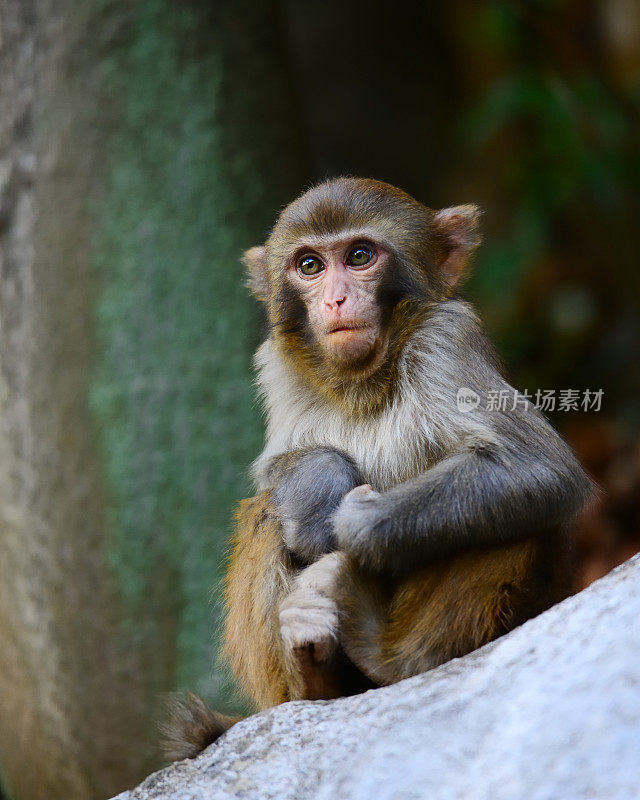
(309, 615)
(361, 511)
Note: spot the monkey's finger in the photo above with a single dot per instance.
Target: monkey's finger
(304, 625)
(365, 490)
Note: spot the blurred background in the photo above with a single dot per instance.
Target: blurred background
(143, 145)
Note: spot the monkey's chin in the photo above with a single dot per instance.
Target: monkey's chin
(356, 348)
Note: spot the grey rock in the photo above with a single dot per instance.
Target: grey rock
(549, 712)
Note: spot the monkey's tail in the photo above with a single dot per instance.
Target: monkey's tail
(190, 726)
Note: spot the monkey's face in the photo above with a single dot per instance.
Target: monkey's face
(337, 279)
(349, 270)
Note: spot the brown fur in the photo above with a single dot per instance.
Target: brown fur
(190, 726)
(259, 576)
(403, 627)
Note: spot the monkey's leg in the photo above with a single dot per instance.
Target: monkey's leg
(259, 575)
(260, 578)
(281, 626)
(407, 626)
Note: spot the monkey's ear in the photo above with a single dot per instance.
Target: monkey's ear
(255, 260)
(458, 236)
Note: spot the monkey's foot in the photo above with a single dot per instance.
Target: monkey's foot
(309, 615)
(309, 621)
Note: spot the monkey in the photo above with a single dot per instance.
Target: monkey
(392, 528)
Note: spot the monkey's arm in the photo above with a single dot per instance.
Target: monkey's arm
(473, 498)
(307, 487)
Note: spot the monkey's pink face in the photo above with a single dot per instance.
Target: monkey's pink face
(338, 280)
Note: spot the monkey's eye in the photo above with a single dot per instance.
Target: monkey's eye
(360, 256)
(310, 266)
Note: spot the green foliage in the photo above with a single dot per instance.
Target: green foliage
(565, 150)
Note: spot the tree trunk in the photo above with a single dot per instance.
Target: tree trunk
(132, 166)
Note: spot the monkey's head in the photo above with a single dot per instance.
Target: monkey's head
(350, 269)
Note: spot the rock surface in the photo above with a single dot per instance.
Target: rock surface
(549, 712)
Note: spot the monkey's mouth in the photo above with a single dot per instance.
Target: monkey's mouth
(347, 327)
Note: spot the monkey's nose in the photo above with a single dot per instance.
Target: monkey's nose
(335, 302)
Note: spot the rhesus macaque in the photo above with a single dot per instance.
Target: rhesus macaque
(391, 530)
